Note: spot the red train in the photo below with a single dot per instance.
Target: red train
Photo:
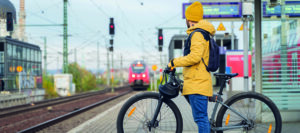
(279, 61)
(139, 75)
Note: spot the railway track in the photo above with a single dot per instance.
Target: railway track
(5, 112)
(68, 115)
(28, 118)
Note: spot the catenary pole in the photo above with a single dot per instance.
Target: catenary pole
(107, 69)
(232, 35)
(112, 72)
(246, 48)
(75, 54)
(98, 60)
(45, 55)
(121, 71)
(65, 38)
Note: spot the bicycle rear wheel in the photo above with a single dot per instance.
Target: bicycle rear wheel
(262, 113)
(138, 111)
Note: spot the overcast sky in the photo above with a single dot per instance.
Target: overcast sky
(135, 21)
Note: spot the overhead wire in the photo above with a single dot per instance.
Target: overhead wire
(47, 19)
(79, 20)
(99, 8)
(123, 31)
(89, 40)
(133, 27)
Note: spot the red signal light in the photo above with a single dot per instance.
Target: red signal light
(160, 37)
(111, 26)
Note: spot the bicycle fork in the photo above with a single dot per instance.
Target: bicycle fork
(154, 122)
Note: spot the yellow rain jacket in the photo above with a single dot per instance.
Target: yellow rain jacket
(197, 80)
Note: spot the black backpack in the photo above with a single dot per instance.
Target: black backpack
(214, 54)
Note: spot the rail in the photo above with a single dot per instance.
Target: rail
(51, 122)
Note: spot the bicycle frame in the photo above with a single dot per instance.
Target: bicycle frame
(154, 123)
(212, 118)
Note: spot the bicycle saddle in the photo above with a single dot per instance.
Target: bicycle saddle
(226, 75)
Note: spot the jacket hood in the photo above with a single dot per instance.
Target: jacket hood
(203, 24)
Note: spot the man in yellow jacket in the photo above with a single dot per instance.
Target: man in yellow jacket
(197, 80)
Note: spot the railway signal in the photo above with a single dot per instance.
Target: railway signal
(111, 27)
(9, 22)
(111, 47)
(160, 37)
(160, 40)
(111, 42)
(160, 48)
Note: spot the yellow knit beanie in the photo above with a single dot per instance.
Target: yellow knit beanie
(194, 12)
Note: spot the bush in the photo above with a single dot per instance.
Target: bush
(101, 81)
(48, 85)
(83, 79)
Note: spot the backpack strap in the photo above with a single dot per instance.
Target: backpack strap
(206, 36)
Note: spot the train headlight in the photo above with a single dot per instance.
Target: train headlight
(133, 75)
(144, 75)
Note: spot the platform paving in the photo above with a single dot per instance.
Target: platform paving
(106, 122)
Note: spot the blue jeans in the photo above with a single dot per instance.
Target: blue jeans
(199, 109)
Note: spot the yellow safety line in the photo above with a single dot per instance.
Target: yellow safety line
(270, 128)
(130, 113)
(227, 119)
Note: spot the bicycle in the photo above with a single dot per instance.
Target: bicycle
(246, 112)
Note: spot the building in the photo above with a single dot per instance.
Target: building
(20, 65)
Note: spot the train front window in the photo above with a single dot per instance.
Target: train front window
(138, 68)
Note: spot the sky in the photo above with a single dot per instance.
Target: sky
(136, 23)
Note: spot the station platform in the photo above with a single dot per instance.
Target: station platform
(105, 122)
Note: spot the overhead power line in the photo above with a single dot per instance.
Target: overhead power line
(99, 8)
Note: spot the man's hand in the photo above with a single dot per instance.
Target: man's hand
(169, 65)
(169, 68)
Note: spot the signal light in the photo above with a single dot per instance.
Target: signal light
(111, 48)
(111, 27)
(160, 48)
(160, 37)
(111, 41)
(9, 22)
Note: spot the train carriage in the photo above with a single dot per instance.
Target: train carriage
(139, 75)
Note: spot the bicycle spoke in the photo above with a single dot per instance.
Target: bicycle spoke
(248, 107)
(141, 112)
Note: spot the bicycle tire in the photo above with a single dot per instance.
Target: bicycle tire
(249, 95)
(147, 95)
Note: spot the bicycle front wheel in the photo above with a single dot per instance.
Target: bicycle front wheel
(262, 115)
(138, 111)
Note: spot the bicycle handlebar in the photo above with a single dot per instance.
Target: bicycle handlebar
(172, 76)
